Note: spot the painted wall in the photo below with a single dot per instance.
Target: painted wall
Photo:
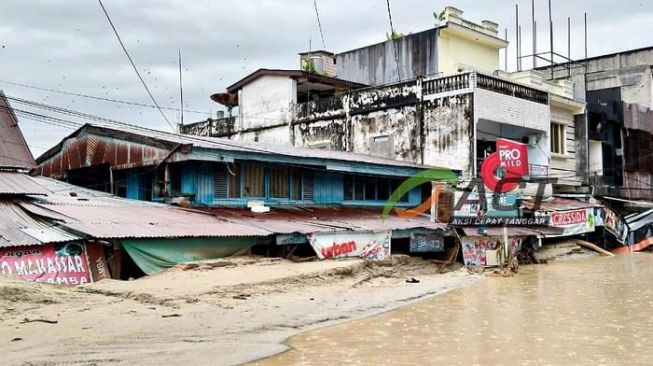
(377, 64)
(449, 133)
(266, 101)
(456, 51)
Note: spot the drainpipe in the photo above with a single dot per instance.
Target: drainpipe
(420, 118)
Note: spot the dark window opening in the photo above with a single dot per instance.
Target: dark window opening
(296, 184)
(279, 183)
(253, 180)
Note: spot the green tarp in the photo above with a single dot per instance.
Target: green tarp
(155, 255)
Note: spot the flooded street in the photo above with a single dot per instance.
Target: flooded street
(590, 311)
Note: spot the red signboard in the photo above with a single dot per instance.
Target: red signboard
(63, 264)
(513, 156)
(569, 218)
(502, 171)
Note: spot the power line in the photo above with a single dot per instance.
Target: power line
(115, 31)
(319, 24)
(96, 97)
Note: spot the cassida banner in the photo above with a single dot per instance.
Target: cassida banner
(62, 264)
(370, 246)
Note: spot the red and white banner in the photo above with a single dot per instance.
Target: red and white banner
(567, 218)
(573, 222)
(370, 246)
(513, 156)
(61, 264)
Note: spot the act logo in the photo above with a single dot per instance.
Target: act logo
(502, 170)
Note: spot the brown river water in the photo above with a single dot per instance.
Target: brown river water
(593, 311)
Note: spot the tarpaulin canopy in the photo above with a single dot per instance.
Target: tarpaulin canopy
(155, 255)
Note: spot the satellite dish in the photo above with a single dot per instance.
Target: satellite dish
(226, 99)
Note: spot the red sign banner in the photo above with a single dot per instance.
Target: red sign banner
(567, 218)
(512, 159)
(63, 264)
(513, 156)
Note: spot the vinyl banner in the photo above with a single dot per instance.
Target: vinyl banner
(370, 246)
(574, 222)
(63, 264)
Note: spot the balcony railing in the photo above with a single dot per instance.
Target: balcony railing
(512, 89)
(318, 107)
(445, 84)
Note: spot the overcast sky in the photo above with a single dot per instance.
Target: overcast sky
(68, 45)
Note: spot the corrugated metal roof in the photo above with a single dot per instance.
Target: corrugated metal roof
(16, 183)
(14, 152)
(540, 232)
(233, 146)
(559, 204)
(18, 228)
(306, 220)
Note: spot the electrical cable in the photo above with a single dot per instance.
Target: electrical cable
(115, 31)
(319, 24)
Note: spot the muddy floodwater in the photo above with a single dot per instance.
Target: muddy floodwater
(593, 311)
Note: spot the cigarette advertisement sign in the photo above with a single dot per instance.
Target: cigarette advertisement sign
(62, 264)
(369, 246)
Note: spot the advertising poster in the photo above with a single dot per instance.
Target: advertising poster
(369, 246)
(574, 222)
(61, 264)
(475, 248)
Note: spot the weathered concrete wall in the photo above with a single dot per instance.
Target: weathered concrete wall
(210, 127)
(630, 70)
(449, 133)
(279, 135)
(324, 134)
(266, 101)
(377, 65)
(391, 133)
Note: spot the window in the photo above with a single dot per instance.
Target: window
(296, 184)
(359, 188)
(370, 189)
(558, 138)
(253, 177)
(279, 187)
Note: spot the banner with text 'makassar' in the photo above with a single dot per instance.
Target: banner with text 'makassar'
(62, 264)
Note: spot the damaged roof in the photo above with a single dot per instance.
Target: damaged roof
(14, 152)
(103, 216)
(226, 150)
(307, 220)
(14, 183)
(559, 204)
(18, 228)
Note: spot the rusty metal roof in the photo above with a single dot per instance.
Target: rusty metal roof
(17, 183)
(252, 149)
(100, 215)
(559, 204)
(306, 220)
(14, 152)
(540, 231)
(103, 216)
(18, 228)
